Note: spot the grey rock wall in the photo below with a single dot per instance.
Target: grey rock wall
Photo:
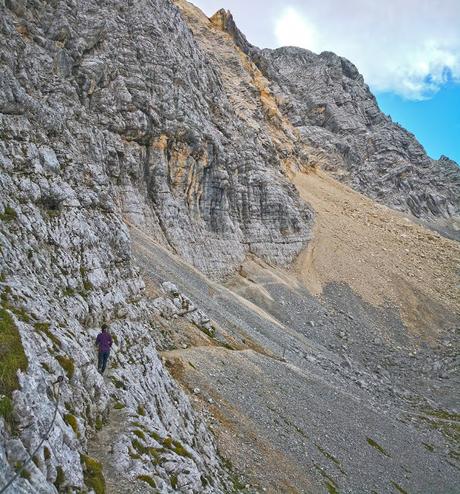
(327, 100)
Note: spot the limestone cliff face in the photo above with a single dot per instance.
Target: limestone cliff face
(326, 100)
(147, 112)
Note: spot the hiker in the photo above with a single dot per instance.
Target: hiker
(103, 342)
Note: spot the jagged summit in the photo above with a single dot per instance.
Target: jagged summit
(223, 19)
(325, 97)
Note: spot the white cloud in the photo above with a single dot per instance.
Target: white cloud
(410, 47)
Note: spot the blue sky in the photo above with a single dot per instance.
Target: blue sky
(407, 50)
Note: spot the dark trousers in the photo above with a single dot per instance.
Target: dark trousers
(102, 360)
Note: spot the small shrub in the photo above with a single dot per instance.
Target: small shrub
(147, 479)
(174, 481)
(67, 364)
(9, 214)
(46, 453)
(92, 473)
(141, 410)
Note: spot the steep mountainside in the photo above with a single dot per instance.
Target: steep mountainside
(325, 98)
(142, 133)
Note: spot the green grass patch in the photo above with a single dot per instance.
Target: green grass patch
(327, 455)
(119, 406)
(92, 474)
(60, 478)
(156, 436)
(173, 481)
(71, 420)
(138, 424)
(46, 453)
(69, 292)
(67, 364)
(331, 488)
(46, 367)
(377, 446)
(25, 474)
(53, 213)
(99, 423)
(399, 488)
(117, 383)
(6, 409)
(148, 480)
(141, 410)
(139, 447)
(87, 285)
(139, 434)
(327, 477)
(443, 414)
(429, 447)
(12, 359)
(9, 214)
(176, 446)
(20, 313)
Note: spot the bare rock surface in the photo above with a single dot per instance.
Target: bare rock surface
(147, 113)
(325, 98)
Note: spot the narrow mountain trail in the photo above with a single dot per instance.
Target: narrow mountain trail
(101, 448)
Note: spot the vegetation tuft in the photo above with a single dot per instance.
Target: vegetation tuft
(71, 420)
(60, 478)
(92, 473)
(67, 364)
(377, 446)
(9, 214)
(12, 359)
(147, 479)
(44, 327)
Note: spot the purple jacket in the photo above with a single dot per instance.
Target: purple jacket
(104, 341)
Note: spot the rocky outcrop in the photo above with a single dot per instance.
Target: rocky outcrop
(148, 113)
(325, 97)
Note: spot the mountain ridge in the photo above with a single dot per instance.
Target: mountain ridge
(153, 178)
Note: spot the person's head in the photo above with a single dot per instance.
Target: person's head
(104, 328)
